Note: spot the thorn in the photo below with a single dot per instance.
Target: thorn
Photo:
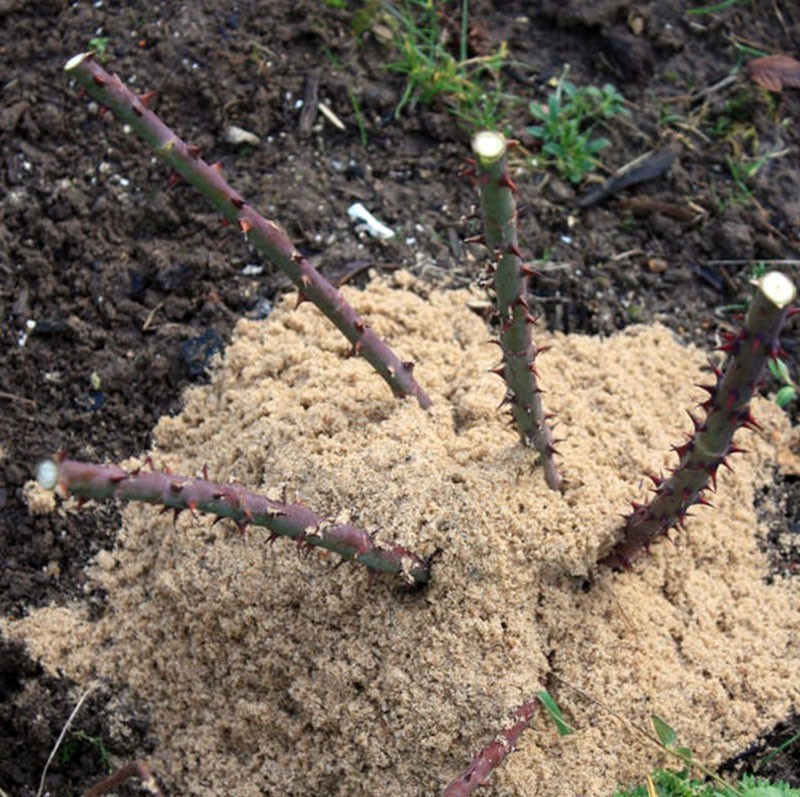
(193, 152)
(301, 297)
(245, 226)
(217, 167)
(710, 389)
(236, 201)
(696, 422)
(146, 98)
(99, 81)
(409, 365)
(712, 474)
(507, 182)
(684, 448)
(657, 480)
(749, 422)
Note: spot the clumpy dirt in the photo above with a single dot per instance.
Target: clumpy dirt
(133, 284)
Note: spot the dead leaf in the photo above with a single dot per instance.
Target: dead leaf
(775, 72)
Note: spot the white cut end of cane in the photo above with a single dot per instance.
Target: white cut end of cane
(489, 146)
(76, 61)
(778, 288)
(47, 474)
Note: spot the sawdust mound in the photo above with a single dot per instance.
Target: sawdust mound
(272, 674)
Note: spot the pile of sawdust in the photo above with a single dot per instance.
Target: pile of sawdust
(269, 673)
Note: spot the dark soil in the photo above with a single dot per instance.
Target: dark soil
(117, 285)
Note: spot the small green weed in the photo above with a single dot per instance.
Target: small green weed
(666, 783)
(469, 87)
(789, 389)
(743, 172)
(566, 123)
(80, 743)
(714, 7)
(98, 45)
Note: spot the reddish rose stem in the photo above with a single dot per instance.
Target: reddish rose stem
(491, 756)
(727, 409)
(306, 528)
(135, 769)
(518, 370)
(264, 235)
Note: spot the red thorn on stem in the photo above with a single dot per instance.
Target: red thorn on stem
(507, 182)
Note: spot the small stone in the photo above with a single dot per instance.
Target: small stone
(636, 24)
(657, 265)
(240, 137)
(382, 33)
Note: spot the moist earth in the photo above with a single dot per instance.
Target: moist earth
(118, 285)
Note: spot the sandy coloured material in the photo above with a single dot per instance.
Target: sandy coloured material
(272, 674)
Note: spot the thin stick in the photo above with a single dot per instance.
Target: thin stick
(749, 262)
(14, 397)
(60, 739)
